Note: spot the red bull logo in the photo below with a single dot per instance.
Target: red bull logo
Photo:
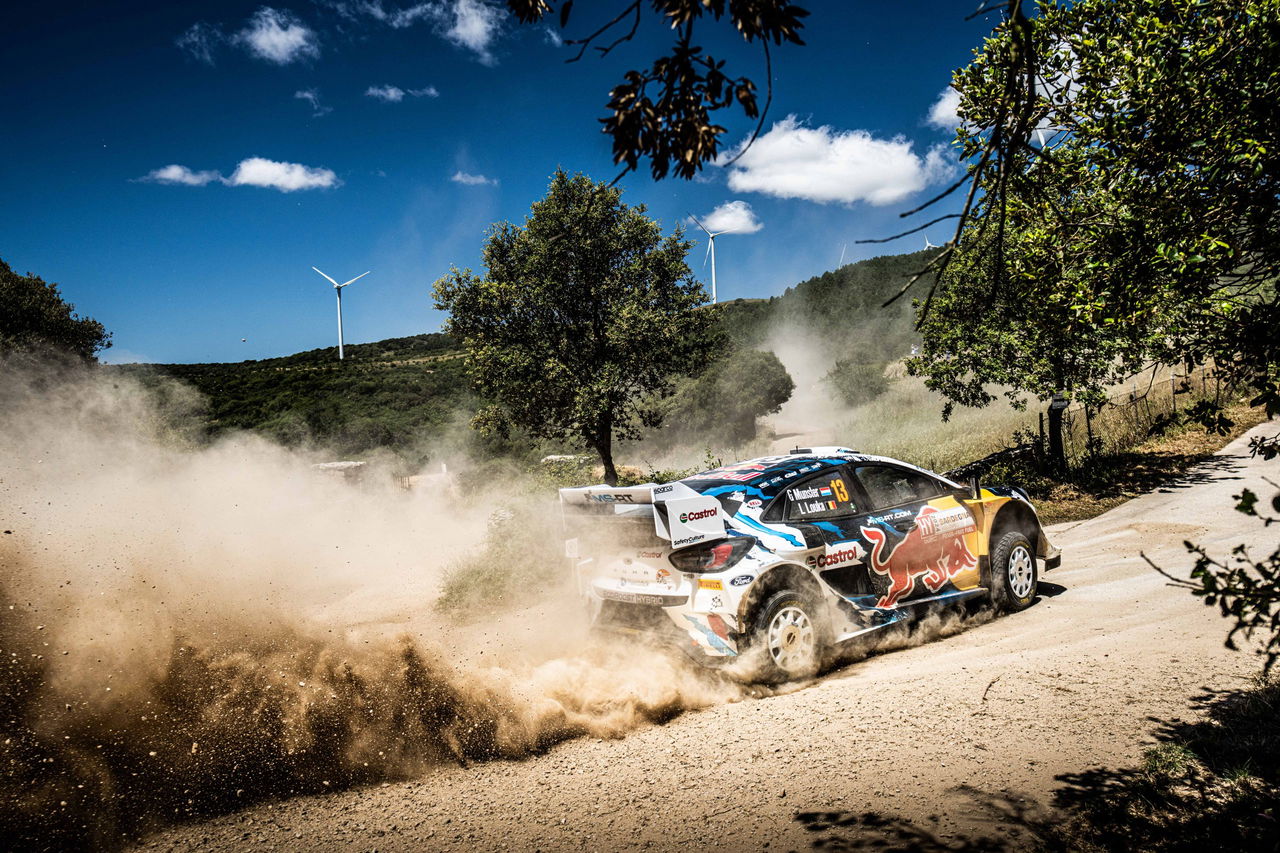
(932, 559)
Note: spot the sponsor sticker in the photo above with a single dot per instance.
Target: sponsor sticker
(741, 580)
(612, 499)
(710, 512)
(948, 522)
(755, 503)
(688, 540)
(704, 583)
(841, 554)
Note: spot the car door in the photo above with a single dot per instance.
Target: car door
(920, 540)
(825, 508)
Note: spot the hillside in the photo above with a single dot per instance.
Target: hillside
(402, 394)
(393, 394)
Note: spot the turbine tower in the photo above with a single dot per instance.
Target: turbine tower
(711, 250)
(337, 288)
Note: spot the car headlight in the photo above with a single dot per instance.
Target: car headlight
(712, 556)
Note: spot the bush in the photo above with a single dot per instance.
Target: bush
(858, 382)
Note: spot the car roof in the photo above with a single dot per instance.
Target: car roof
(766, 476)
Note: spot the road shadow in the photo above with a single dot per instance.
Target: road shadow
(1049, 590)
(1211, 783)
(1124, 474)
(1016, 825)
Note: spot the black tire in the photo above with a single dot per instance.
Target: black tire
(789, 637)
(1013, 574)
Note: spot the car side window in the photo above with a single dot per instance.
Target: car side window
(887, 486)
(830, 495)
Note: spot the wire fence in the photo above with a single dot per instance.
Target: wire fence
(1149, 399)
(1133, 412)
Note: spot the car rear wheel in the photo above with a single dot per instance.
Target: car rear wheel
(1013, 572)
(790, 637)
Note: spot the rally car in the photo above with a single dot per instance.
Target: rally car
(779, 560)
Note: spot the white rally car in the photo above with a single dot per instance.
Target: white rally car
(782, 558)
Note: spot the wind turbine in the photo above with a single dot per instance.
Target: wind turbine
(711, 250)
(927, 244)
(337, 288)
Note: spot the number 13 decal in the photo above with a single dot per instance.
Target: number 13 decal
(842, 493)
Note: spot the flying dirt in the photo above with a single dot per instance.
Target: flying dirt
(185, 630)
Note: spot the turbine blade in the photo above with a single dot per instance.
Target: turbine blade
(335, 284)
(708, 254)
(357, 278)
(700, 225)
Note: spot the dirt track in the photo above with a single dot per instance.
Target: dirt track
(924, 733)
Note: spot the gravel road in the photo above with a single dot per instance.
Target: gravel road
(927, 734)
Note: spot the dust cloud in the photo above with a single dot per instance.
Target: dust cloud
(186, 628)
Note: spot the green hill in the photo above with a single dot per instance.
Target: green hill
(402, 394)
(395, 394)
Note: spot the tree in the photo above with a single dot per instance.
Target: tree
(583, 317)
(674, 130)
(1141, 226)
(728, 397)
(33, 315)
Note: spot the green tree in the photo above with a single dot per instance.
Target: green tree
(33, 315)
(582, 319)
(728, 397)
(858, 382)
(672, 126)
(1140, 227)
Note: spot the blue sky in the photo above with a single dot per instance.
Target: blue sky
(178, 168)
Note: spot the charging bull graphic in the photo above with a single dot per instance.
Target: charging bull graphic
(933, 550)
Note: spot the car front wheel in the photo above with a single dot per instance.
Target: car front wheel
(1013, 572)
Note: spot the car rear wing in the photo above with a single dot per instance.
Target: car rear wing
(680, 515)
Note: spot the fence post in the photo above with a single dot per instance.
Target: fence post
(1057, 453)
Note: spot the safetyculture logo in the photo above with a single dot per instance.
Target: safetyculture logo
(686, 517)
(846, 555)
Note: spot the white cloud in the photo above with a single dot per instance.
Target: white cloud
(390, 94)
(553, 37)
(826, 165)
(470, 24)
(175, 174)
(286, 177)
(473, 180)
(251, 172)
(278, 36)
(944, 114)
(394, 94)
(312, 97)
(732, 217)
(200, 41)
